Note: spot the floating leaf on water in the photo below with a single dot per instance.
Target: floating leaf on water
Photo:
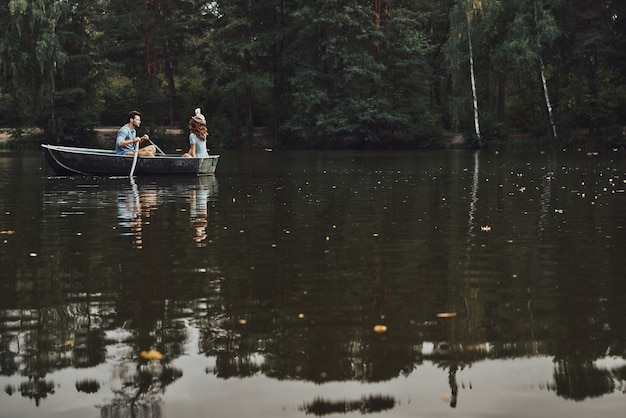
(380, 328)
(151, 355)
(446, 314)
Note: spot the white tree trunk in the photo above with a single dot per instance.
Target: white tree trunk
(474, 96)
(546, 97)
(544, 84)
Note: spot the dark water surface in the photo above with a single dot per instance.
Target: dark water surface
(398, 284)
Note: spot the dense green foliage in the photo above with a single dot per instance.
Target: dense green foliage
(318, 72)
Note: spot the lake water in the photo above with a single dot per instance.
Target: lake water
(291, 284)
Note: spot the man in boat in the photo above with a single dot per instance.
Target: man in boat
(127, 137)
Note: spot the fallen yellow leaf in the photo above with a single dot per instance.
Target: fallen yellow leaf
(151, 355)
(380, 328)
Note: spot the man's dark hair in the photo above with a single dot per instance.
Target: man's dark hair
(132, 114)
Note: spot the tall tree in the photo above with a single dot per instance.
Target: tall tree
(31, 55)
(435, 24)
(463, 20)
(407, 79)
(75, 110)
(142, 41)
(335, 78)
(531, 31)
(591, 41)
(173, 21)
(241, 45)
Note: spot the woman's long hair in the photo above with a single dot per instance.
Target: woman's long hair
(197, 129)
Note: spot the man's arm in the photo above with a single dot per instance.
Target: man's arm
(122, 137)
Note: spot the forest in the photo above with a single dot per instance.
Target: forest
(319, 73)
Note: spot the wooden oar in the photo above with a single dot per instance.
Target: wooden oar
(136, 153)
(157, 147)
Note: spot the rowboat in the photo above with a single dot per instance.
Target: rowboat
(72, 161)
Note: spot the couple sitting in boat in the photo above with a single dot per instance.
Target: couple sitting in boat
(127, 137)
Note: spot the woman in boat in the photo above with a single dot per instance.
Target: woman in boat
(197, 136)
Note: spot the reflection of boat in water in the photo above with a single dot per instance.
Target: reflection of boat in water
(135, 205)
(133, 209)
(198, 207)
(136, 200)
(166, 187)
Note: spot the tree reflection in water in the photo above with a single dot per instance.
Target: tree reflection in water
(274, 296)
(449, 357)
(366, 405)
(34, 388)
(88, 386)
(578, 379)
(140, 393)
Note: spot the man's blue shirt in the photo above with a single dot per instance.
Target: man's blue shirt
(125, 134)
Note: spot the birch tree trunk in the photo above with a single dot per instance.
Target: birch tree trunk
(546, 96)
(474, 96)
(544, 84)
